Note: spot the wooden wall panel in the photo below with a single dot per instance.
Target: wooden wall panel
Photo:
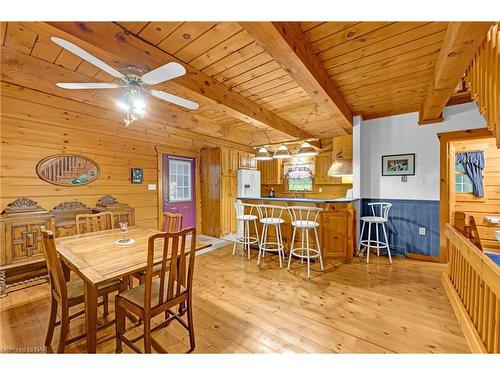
(32, 130)
(490, 204)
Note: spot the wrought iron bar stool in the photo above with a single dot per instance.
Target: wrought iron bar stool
(305, 218)
(380, 216)
(271, 216)
(243, 226)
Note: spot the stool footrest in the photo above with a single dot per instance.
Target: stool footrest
(247, 240)
(316, 253)
(278, 246)
(374, 244)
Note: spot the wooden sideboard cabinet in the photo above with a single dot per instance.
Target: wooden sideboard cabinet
(121, 211)
(21, 253)
(65, 217)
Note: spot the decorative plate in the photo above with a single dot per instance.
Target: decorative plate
(129, 241)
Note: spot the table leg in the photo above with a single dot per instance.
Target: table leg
(91, 316)
(66, 271)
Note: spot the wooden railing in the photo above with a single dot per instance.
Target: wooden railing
(472, 283)
(484, 80)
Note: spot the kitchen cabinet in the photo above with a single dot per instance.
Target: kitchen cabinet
(229, 161)
(219, 189)
(323, 162)
(271, 172)
(247, 161)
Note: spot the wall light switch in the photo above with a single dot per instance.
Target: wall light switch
(421, 231)
(320, 189)
(151, 186)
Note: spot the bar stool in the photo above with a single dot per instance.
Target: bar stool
(380, 216)
(243, 221)
(270, 216)
(305, 218)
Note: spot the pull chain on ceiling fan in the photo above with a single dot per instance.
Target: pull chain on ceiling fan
(134, 83)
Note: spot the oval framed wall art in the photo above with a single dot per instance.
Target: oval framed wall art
(67, 170)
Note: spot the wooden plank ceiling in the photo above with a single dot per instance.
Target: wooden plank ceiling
(380, 69)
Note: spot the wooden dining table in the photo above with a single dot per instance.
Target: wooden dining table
(96, 259)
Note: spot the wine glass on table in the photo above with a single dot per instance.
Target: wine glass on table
(124, 230)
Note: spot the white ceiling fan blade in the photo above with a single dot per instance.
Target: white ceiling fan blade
(164, 73)
(174, 99)
(87, 56)
(85, 86)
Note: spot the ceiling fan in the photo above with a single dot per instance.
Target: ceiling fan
(133, 83)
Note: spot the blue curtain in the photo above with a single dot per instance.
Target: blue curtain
(473, 163)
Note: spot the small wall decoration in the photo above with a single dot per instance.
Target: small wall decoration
(398, 165)
(136, 175)
(67, 170)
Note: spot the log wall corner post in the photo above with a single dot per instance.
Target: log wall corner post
(460, 43)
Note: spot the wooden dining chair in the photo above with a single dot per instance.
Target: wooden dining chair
(172, 222)
(160, 295)
(474, 233)
(65, 294)
(86, 223)
(459, 222)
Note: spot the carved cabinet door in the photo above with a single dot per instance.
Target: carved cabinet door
(24, 240)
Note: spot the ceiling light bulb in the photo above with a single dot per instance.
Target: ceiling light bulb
(139, 104)
(307, 150)
(123, 105)
(282, 153)
(139, 111)
(263, 154)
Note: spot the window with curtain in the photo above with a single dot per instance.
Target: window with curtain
(463, 184)
(299, 177)
(472, 163)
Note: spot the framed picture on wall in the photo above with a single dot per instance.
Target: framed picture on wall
(398, 165)
(136, 175)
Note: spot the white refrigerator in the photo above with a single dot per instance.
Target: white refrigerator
(248, 183)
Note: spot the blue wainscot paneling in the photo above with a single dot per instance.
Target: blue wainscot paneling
(405, 218)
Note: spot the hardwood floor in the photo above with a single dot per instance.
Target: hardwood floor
(239, 308)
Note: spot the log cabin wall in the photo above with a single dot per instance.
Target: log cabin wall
(35, 125)
(489, 205)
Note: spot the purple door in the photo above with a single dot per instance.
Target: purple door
(179, 188)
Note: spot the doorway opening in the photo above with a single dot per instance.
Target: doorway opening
(456, 193)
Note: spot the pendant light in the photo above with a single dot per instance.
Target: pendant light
(306, 150)
(263, 154)
(282, 153)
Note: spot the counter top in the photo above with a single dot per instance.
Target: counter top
(304, 200)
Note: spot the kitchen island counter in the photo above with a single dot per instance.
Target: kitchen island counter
(336, 230)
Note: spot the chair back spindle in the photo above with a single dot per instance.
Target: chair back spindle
(380, 209)
(172, 222)
(86, 223)
(474, 233)
(56, 274)
(177, 265)
(268, 211)
(304, 213)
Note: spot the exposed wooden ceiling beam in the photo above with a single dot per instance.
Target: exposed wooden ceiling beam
(459, 45)
(289, 46)
(113, 44)
(27, 71)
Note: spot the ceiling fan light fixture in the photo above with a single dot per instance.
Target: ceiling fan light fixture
(307, 150)
(263, 154)
(282, 153)
(122, 105)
